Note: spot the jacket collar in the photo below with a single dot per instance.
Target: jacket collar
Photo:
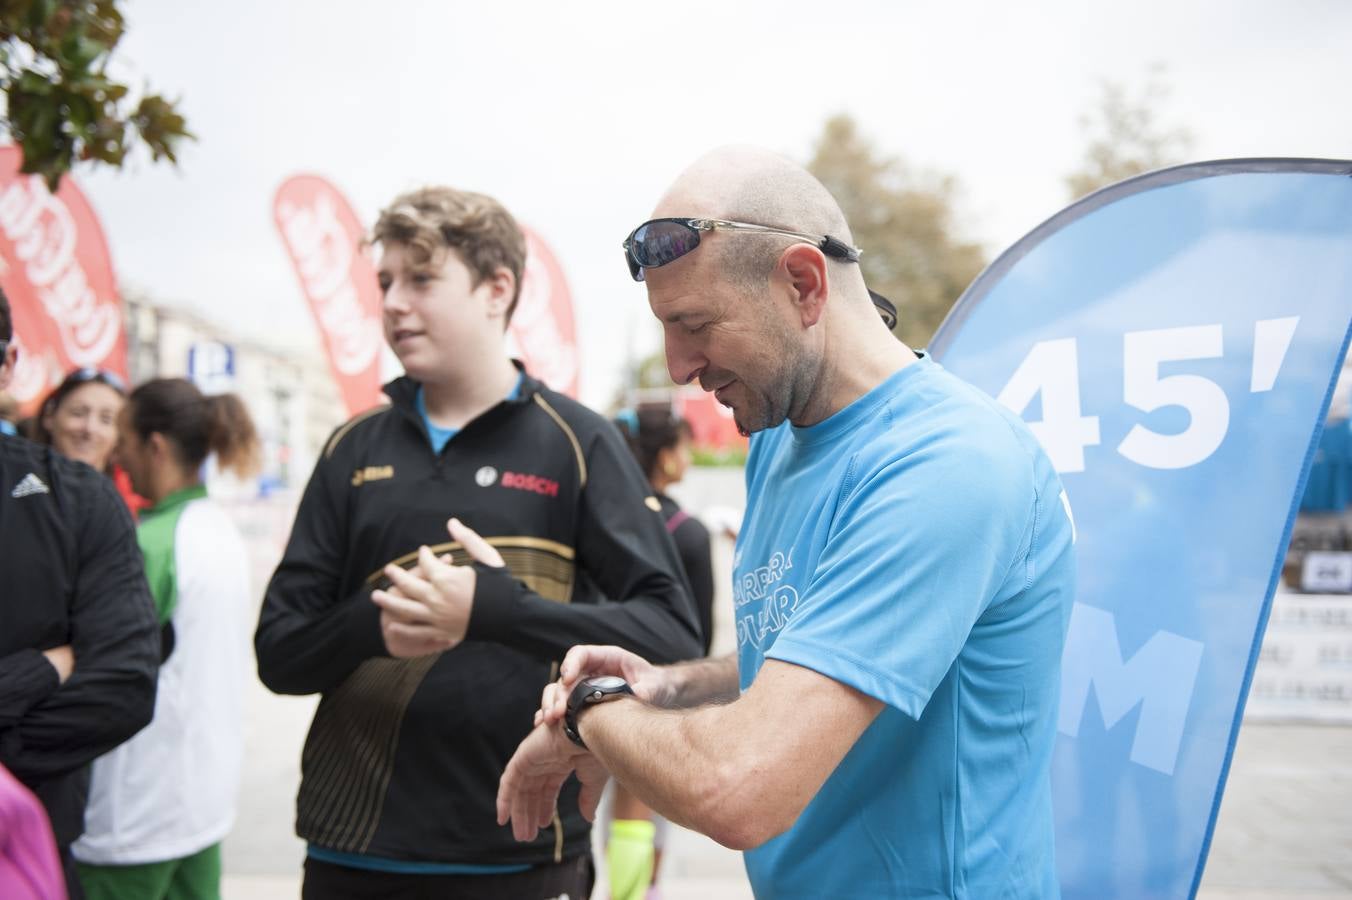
(403, 391)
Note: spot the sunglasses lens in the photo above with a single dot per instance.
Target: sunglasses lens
(658, 243)
(635, 270)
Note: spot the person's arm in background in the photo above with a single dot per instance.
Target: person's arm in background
(30, 866)
(115, 640)
(309, 639)
(692, 544)
(622, 543)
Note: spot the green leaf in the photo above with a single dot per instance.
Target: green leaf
(81, 112)
(60, 103)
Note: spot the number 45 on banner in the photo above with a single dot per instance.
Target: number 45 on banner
(1194, 321)
(1051, 368)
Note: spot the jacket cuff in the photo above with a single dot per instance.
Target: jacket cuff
(361, 628)
(495, 604)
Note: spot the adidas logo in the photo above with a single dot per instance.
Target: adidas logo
(30, 485)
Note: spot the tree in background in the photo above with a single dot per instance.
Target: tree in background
(1125, 136)
(904, 223)
(61, 104)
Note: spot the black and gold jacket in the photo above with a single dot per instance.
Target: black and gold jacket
(403, 756)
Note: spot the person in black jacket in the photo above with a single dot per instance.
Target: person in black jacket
(400, 769)
(79, 644)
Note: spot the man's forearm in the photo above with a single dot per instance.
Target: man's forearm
(668, 758)
(701, 681)
(740, 772)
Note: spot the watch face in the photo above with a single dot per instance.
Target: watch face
(605, 682)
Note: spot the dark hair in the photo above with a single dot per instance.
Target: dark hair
(648, 431)
(196, 424)
(6, 325)
(76, 378)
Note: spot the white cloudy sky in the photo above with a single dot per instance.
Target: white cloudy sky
(577, 115)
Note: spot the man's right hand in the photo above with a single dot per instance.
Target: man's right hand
(651, 684)
(62, 659)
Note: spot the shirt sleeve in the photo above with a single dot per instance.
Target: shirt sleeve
(116, 642)
(623, 545)
(914, 556)
(309, 638)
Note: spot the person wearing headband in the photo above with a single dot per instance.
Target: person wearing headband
(79, 646)
(902, 584)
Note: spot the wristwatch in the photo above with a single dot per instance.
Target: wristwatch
(589, 691)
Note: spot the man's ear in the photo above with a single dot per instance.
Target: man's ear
(804, 268)
(501, 287)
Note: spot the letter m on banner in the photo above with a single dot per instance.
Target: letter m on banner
(1173, 342)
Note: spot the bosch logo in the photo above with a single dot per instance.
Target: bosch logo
(536, 484)
(485, 476)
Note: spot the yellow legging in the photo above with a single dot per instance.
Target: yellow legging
(629, 858)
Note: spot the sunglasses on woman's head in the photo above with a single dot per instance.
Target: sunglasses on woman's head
(660, 241)
(103, 376)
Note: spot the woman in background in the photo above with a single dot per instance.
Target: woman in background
(160, 804)
(79, 420)
(660, 441)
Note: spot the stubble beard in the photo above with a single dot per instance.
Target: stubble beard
(784, 396)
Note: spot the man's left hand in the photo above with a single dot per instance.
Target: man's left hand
(428, 609)
(529, 790)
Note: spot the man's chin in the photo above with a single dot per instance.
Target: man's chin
(749, 422)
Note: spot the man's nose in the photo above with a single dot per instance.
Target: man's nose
(684, 363)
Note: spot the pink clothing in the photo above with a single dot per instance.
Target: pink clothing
(29, 868)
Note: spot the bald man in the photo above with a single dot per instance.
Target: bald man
(902, 584)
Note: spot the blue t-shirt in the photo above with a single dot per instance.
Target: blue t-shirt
(916, 546)
(439, 437)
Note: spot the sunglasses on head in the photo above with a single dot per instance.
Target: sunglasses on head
(660, 241)
(88, 373)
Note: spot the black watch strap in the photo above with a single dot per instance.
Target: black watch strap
(589, 691)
